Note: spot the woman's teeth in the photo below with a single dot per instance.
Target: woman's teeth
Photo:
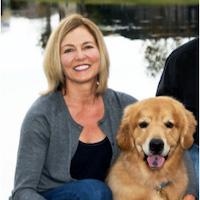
(82, 67)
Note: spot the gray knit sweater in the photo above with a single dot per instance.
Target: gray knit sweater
(49, 139)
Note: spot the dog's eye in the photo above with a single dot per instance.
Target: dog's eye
(169, 125)
(143, 124)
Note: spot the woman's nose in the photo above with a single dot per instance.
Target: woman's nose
(80, 55)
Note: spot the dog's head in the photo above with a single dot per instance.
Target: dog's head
(156, 127)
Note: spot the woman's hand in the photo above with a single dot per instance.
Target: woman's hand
(189, 197)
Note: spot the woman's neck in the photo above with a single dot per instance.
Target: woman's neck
(80, 94)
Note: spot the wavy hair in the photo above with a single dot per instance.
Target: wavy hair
(52, 64)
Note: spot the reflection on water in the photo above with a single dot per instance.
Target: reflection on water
(47, 30)
(146, 21)
(156, 53)
(150, 23)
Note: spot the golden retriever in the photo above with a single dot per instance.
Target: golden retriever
(152, 136)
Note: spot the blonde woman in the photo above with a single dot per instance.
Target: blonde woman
(68, 135)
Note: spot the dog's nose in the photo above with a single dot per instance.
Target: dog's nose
(156, 146)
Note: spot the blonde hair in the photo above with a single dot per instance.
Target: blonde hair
(52, 64)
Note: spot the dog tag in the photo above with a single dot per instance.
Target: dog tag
(162, 193)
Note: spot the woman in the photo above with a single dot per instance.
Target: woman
(68, 136)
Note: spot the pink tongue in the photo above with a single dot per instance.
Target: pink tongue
(155, 161)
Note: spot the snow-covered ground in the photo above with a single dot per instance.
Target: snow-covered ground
(22, 79)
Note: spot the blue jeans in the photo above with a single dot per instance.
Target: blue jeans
(194, 151)
(85, 189)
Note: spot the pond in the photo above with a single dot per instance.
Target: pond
(138, 37)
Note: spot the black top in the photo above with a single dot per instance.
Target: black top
(91, 160)
(180, 78)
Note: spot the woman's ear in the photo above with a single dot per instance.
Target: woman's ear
(125, 131)
(189, 128)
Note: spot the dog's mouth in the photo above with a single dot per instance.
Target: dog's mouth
(155, 161)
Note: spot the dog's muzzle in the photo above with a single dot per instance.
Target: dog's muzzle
(156, 148)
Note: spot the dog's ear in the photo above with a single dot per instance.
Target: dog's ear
(124, 138)
(189, 128)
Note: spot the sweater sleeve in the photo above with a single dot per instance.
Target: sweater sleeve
(31, 156)
(27, 194)
(192, 185)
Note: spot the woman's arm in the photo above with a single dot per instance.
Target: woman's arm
(27, 194)
(31, 157)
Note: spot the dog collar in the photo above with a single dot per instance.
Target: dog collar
(161, 192)
(163, 185)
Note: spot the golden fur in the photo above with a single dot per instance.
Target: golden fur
(161, 118)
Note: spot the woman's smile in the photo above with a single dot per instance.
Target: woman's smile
(82, 67)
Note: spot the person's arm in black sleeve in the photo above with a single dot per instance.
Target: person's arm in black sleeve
(169, 82)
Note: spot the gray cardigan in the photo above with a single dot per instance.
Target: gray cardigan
(49, 139)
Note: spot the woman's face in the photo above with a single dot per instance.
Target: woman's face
(80, 56)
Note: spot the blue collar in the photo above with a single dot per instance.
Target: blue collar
(163, 185)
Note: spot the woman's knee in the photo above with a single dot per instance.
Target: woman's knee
(85, 189)
(95, 189)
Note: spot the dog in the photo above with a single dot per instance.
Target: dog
(152, 137)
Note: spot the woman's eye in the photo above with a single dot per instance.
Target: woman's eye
(143, 124)
(88, 47)
(169, 124)
(68, 50)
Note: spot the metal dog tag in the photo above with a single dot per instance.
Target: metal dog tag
(162, 193)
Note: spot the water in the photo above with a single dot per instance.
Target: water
(136, 36)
